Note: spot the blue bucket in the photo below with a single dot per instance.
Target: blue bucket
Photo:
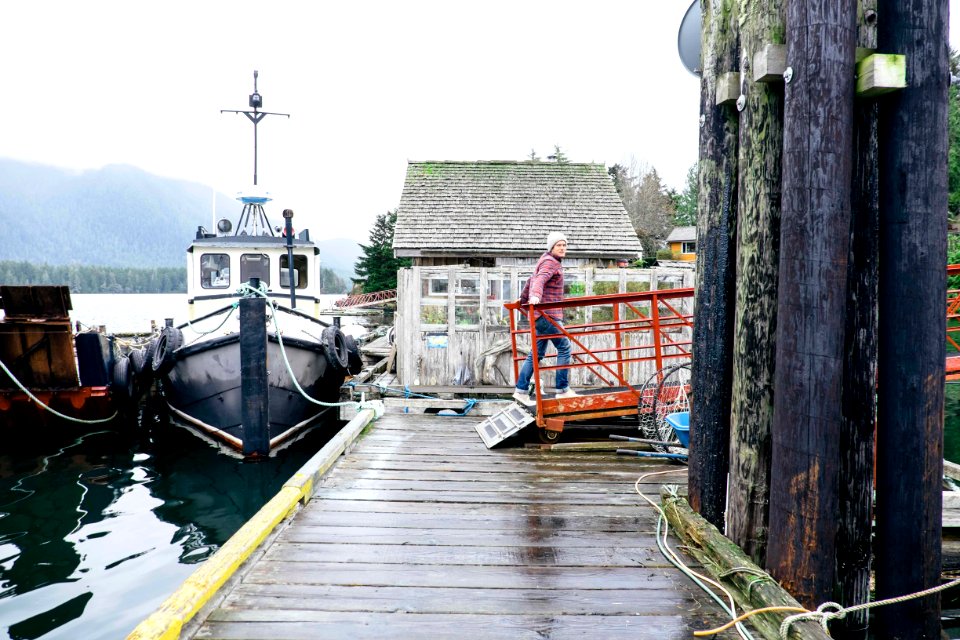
(681, 426)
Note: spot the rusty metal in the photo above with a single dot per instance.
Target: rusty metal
(666, 326)
(366, 299)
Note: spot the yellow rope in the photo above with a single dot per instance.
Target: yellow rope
(744, 616)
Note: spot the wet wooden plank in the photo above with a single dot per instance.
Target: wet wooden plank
(634, 522)
(465, 577)
(426, 535)
(571, 601)
(321, 534)
(364, 625)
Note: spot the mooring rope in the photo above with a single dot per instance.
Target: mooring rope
(674, 559)
(48, 408)
(247, 291)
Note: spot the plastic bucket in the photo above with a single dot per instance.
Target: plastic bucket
(681, 426)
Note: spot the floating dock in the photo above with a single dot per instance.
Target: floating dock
(420, 530)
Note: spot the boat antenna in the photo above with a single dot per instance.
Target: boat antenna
(253, 215)
(255, 116)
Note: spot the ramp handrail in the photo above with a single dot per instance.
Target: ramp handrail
(658, 313)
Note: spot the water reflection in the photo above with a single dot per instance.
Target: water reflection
(96, 530)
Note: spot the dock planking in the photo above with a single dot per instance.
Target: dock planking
(422, 531)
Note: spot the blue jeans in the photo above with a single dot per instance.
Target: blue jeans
(545, 328)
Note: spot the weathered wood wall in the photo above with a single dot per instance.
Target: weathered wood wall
(450, 343)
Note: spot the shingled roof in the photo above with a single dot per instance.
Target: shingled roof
(507, 209)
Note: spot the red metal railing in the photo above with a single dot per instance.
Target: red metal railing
(649, 326)
(366, 299)
(953, 325)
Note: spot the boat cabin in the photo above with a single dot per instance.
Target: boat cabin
(219, 263)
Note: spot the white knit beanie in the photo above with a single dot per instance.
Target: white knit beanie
(554, 238)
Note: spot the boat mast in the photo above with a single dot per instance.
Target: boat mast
(253, 212)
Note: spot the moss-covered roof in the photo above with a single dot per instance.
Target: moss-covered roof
(504, 208)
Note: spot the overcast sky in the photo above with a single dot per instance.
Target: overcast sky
(368, 86)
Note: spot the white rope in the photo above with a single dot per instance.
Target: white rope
(376, 405)
(824, 614)
(51, 409)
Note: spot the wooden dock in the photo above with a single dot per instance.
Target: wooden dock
(421, 531)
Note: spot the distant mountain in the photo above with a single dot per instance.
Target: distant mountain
(340, 254)
(117, 216)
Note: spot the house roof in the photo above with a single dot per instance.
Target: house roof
(505, 208)
(683, 234)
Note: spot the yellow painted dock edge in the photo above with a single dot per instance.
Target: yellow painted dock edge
(167, 621)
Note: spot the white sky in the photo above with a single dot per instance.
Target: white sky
(368, 85)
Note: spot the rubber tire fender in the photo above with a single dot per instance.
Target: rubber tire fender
(354, 359)
(335, 349)
(122, 379)
(138, 361)
(169, 341)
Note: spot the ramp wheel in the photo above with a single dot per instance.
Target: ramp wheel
(548, 436)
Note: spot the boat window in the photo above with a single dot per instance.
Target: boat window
(299, 265)
(214, 271)
(255, 265)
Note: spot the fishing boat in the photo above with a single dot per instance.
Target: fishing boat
(246, 370)
(200, 363)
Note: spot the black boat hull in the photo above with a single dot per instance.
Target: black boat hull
(203, 389)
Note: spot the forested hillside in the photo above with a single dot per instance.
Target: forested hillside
(117, 228)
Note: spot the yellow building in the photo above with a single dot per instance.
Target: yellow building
(682, 242)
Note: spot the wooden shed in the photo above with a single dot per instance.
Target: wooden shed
(498, 213)
(474, 231)
(682, 242)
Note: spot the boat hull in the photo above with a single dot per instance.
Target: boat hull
(204, 388)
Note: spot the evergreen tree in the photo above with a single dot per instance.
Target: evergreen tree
(953, 140)
(686, 201)
(377, 268)
(558, 155)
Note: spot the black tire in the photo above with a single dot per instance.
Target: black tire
(138, 361)
(354, 359)
(122, 385)
(335, 349)
(169, 341)
(149, 353)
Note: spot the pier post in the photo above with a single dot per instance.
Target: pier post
(758, 264)
(912, 323)
(716, 249)
(859, 404)
(255, 413)
(811, 309)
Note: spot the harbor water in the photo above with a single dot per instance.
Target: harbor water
(99, 525)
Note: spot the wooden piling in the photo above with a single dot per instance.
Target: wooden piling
(716, 249)
(758, 250)
(855, 515)
(811, 309)
(913, 228)
(253, 376)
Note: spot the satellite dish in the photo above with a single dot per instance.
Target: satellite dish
(688, 39)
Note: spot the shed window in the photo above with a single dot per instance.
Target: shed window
(688, 247)
(433, 299)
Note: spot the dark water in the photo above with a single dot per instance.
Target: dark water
(96, 530)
